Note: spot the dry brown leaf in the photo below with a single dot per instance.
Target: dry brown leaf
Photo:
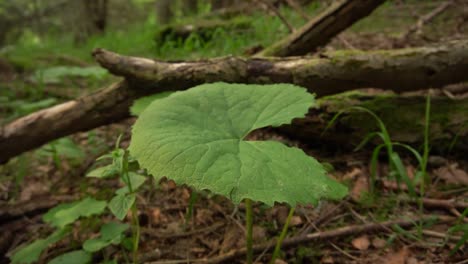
(281, 214)
(232, 238)
(378, 242)
(295, 221)
(396, 257)
(356, 171)
(452, 174)
(360, 186)
(155, 215)
(361, 243)
(259, 233)
(327, 259)
(280, 261)
(203, 216)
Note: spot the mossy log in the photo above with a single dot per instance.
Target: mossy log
(205, 29)
(403, 116)
(320, 30)
(400, 70)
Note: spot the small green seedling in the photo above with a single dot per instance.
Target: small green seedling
(196, 137)
(61, 217)
(125, 197)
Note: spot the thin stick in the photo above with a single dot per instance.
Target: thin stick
(277, 13)
(426, 19)
(294, 5)
(325, 235)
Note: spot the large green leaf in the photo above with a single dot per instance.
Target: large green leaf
(196, 137)
(32, 252)
(68, 213)
(73, 257)
(141, 104)
(111, 233)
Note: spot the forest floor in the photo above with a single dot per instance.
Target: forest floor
(378, 227)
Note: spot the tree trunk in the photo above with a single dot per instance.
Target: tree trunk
(323, 28)
(97, 12)
(400, 70)
(164, 11)
(189, 7)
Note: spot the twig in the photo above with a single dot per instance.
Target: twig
(294, 5)
(344, 252)
(426, 19)
(439, 203)
(440, 235)
(325, 235)
(277, 13)
(154, 233)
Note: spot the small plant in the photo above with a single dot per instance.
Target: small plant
(462, 228)
(112, 233)
(397, 168)
(196, 137)
(125, 197)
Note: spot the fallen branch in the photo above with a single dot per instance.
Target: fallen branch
(353, 230)
(323, 28)
(272, 8)
(426, 19)
(400, 70)
(397, 70)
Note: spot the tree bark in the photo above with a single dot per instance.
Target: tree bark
(322, 29)
(400, 70)
(164, 11)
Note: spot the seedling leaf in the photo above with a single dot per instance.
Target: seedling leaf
(120, 204)
(68, 213)
(32, 252)
(136, 181)
(104, 172)
(196, 137)
(73, 257)
(111, 233)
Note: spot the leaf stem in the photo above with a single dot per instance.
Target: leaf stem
(277, 250)
(135, 220)
(249, 225)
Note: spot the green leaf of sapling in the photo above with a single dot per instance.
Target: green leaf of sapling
(136, 181)
(68, 213)
(120, 204)
(73, 257)
(104, 172)
(197, 137)
(110, 233)
(32, 252)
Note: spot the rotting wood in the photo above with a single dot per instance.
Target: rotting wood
(400, 70)
(320, 30)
